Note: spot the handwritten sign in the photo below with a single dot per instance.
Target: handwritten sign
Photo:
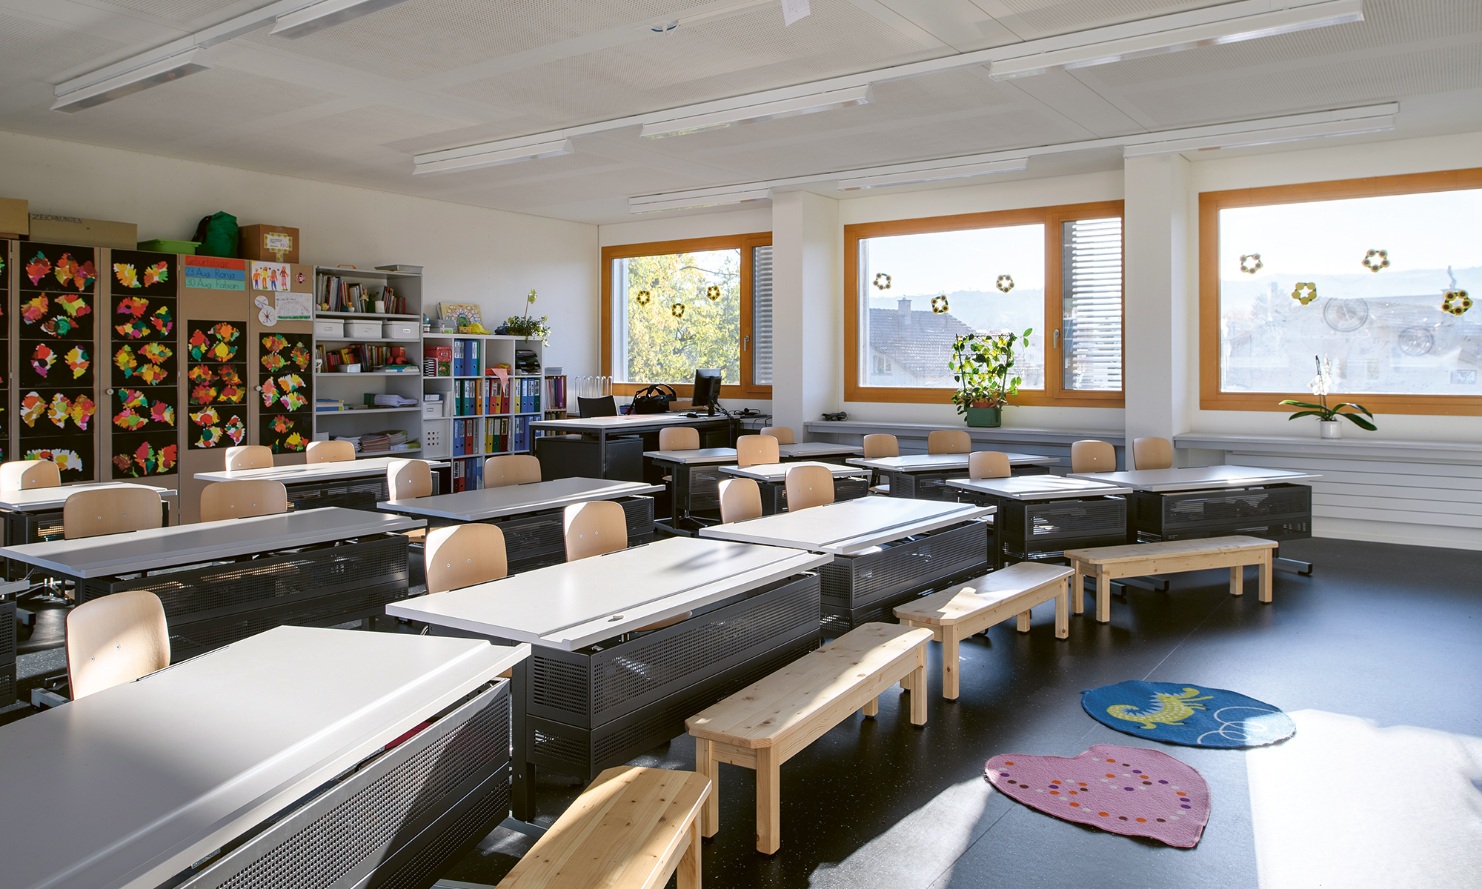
(215, 273)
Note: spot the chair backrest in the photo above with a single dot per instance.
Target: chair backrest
(988, 464)
(463, 555)
(1152, 453)
(243, 499)
(337, 451)
(809, 485)
(110, 511)
(593, 528)
(783, 434)
(511, 469)
(881, 444)
(24, 475)
(949, 441)
(679, 438)
(406, 479)
(754, 450)
(115, 639)
(600, 406)
(248, 457)
(1092, 455)
(740, 500)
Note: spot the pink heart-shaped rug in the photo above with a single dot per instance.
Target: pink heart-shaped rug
(1132, 791)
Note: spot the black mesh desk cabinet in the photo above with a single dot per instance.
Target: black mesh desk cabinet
(612, 447)
(1041, 516)
(35, 514)
(223, 581)
(885, 550)
(849, 482)
(696, 479)
(353, 484)
(530, 514)
(7, 653)
(232, 770)
(925, 476)
(597, 690)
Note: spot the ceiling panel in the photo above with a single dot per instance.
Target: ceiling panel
(34, 50)
(185, 12)
(1032, 19)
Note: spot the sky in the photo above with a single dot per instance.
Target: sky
(944, 262)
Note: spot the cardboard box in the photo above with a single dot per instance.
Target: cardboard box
(15, 216)
(268, 243)
(50, 229)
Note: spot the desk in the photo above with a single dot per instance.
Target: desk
(1040, 516)
(815, 450)
(1212, 501)
(885, 550)
(530, 515)
(320, 566)
(772, 478)
(590, 697)
(924, 476)
(696, 478)
(133, 786)
(593, 446)
(353, 484)
(36, 513)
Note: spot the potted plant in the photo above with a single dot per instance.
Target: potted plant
(981, 365)
(1321, 385)
(527, 327)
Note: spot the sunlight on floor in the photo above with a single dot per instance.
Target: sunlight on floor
(939, 831)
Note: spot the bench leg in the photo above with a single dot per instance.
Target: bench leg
(1103, 596)
(951, 655)
(1025, 617)
(869, 710)
(1264, 573)
(1077, 589)
(688, 874)
(917, 686)
(706, 765)
(768, 801)
(1237, 580)
(1062, 610)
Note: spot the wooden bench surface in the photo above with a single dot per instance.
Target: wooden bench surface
(960, 602)
(624, 830)
(801, 695)
(1101, 555)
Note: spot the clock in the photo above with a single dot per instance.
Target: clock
(1346, 314)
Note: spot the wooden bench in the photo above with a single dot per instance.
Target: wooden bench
(767, 723)
(955, 614)
(1107, 563)
(632, 828)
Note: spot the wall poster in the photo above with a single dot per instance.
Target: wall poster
(145, 376)
(285, 384)
(57, 301)
(216, 372)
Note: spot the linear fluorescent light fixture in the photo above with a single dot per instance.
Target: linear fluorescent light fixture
(695, 200)
(1252, 27)
(799, 105)
(474, 157)
(938, 173)
(1270, 136)
(77, 94)
(325, 14)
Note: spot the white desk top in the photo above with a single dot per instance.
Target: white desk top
(187, 544)
(42, 499)
(1037, 487)
(575, 604)
(695, 456)
(849, 526)
(1198, 478)
(816, 449)
(492, 503)
(622, 422)
(941, 462)
(288, 475)
(776, 473)
(130, 786)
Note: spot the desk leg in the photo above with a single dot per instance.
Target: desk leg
(522, 790)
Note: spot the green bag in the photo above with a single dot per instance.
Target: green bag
(217, 234)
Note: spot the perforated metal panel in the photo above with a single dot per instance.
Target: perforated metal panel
(362, 493)
(1277, 512)
(7, 653)
(1045, 530)
(899, 570)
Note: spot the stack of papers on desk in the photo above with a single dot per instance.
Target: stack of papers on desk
(392, 400)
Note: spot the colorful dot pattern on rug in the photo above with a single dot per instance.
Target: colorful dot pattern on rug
(1130, 791)
(1192, 715)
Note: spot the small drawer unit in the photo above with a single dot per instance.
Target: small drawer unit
(400, 330)
(432, 410)
(362, 328)
(330, 329)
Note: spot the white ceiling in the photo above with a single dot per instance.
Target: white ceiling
(352, 104)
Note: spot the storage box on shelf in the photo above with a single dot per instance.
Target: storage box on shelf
(490, 390)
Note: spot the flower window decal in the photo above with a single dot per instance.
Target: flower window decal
(1375, 260)
(642, 297)
(1005, 283)
(939, 304)
(677, 310)
(1250, 263)
(712, 293)
(882, 281)
(1456, 302)
(1304, 292)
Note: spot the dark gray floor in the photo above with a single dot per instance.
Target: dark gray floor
(1392, 634)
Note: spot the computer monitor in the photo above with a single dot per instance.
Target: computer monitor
(707, 389)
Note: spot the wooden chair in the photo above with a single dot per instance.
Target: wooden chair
(242, 499)
(594, 528)
(988, 464)
(1092, 455)
(783, 434)
(756, 450)
(809, 486)
(511, 469)
(26, 475)
(406, 479)
(740, 500)
(1152, 453)
(110, 511)
(463, 555)
(881, 444)
(115, 639)
(337, 451)
(679, 438)
(949, 441)
(248, 457)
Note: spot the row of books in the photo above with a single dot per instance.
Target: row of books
(496, 395)
(467, 474)
(555, 393)
(499, 435)
(464, 357)
(339, 295)
(369, 356)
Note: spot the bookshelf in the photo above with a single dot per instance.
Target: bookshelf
(554, 402)
(489, 390)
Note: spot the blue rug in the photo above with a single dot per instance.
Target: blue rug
(1195, 716)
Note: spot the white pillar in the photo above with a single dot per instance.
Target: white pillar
(807, 337)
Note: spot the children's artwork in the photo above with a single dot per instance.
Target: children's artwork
(145, 364)
(216, 381)
(72, 454)
(286, 389)
(462, 314)
(139, 410)
(137, 272)
(284, 432)
(53, 268)
(214, 340)
(295, 306)
(56, 365)
(210, 428)
(56, 315)
(67, 411)
(145, 454)
(271, 276)
(142, 318)
(216, 384)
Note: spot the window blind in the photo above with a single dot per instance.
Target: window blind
(1091, 299)
(761, 316)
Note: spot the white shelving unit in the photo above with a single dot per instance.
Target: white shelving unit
(482, 412)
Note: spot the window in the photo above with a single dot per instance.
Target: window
(913, 286)
(1357, 271)
(674, 306)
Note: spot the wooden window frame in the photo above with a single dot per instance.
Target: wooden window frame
(746, 243)
(1053, 219)
(1210, 205)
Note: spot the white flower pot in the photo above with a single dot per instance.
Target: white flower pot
(1329, 429)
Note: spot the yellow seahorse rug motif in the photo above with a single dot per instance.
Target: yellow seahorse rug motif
(1181, 713)
(1169, 710)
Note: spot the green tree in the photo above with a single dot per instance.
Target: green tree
(665, 345)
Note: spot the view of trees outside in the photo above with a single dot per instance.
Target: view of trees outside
(1386, 331)
(664, 343)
